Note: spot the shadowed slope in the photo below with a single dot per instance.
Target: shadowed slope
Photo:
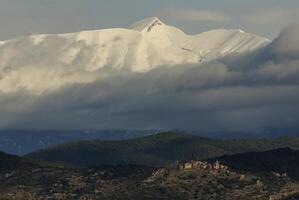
(283, 160)
(11, 162)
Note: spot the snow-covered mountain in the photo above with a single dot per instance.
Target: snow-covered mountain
(40, 63)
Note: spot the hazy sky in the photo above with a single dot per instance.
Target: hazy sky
(23, 17)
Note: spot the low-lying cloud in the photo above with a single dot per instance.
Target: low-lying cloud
(254, 93)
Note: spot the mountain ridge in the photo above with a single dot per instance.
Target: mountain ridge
(155, 150)
(57, 60)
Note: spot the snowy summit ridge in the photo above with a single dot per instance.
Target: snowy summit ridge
(56, 60)
(146, 25)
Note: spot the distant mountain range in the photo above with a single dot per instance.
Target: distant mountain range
(155, 150)
(21, 142)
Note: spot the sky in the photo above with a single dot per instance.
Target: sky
(24, 17)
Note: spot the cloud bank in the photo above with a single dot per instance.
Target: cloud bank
(253, 93)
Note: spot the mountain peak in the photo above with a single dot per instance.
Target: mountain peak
(148, 44)
(147, 25)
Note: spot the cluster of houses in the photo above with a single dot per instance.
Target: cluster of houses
(203, 165)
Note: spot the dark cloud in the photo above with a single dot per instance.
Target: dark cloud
(257, 92)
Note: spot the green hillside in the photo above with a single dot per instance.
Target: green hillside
(155, 150)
